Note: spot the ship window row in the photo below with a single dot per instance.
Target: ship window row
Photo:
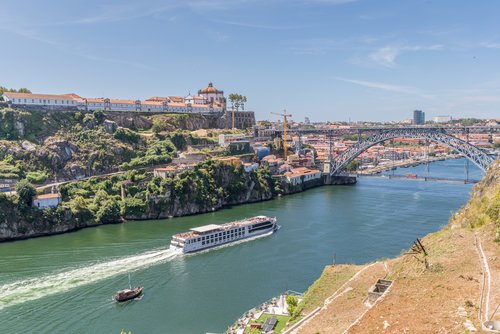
(218, 236)
(224, 238)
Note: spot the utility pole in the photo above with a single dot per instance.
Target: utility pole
(232, 116)
(284, 115)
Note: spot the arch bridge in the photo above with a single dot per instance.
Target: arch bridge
(368, 137)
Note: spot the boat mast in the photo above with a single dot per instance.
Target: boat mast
(129, 284)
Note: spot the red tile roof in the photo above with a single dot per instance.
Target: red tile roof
(47, 196)
(39, 96)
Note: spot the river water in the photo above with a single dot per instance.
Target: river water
(64, 284)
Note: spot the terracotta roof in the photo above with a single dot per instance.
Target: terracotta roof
(47, 196)
(152, 103)
(95, 99)
(73, 95)
(39, 96)
(177, 104)
(157, 99)
(301, 171)
(176, 98)
(122, 101)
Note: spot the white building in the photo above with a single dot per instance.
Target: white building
(198, 100)
(302, 174)
(208, 100)
(226, 139)
(212, 94)
(47, 201)
(153, 106)
(94, 103)
(45, 100)
(441, 119)
(248, 166)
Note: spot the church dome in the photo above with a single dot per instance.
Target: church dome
(210, 89)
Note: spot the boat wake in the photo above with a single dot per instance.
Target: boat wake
(26, 290)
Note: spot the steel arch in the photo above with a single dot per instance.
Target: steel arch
(471, 152)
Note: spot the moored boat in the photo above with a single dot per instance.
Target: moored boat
(213, 235)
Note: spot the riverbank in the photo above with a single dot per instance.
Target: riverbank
(448, 285)
(382, 167)
(210, 186)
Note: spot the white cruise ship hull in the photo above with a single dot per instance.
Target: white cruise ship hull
(211, 236)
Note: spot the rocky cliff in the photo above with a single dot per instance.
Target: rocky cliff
(136, 196)
(21, 223)
(208, 188)
(73, 145)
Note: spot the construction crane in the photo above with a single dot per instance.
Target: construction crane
(284, 115)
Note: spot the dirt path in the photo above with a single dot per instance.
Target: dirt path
(489, 255)
(346, 304)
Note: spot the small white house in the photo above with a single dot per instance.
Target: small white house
(248, 167)
(47, 201)
(302, 174)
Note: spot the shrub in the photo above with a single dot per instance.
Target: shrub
(132, 206)
(108, 211)
(292, 302)
(158, 126)
(127, 136)
(36, 177)
(25, 192)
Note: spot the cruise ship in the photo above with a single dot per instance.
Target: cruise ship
(203, 237)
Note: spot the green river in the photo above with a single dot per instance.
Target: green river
(64, 283)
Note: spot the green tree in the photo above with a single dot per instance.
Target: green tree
(12, 90)
(25, 192)
(99, 115)
(108, 212)
(237, 101)
(292, 302)
(352, 166)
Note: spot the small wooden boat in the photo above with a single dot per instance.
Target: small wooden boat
(128, 294)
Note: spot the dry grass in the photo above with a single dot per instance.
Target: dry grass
(428, 290)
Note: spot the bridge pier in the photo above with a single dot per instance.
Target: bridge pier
(338, 179)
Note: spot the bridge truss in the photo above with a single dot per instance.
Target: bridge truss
(471, 152)
(368, 137)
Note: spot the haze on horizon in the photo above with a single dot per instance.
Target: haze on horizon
(325, 59)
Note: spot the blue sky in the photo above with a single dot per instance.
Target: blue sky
(326, 59)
